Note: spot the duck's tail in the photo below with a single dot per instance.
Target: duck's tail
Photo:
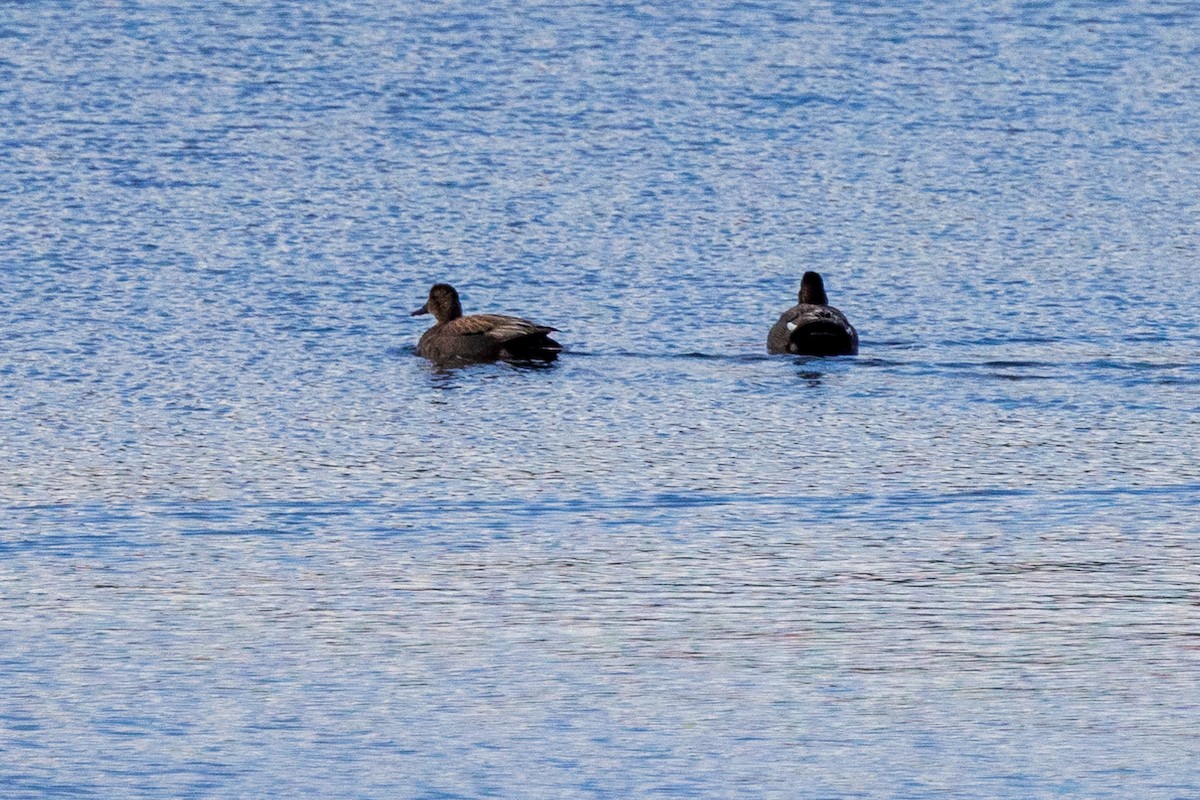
(534, 347)
(821, 337)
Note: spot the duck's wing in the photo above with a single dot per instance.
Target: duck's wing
(497, 327)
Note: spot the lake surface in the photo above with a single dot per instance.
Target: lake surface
(252, 546)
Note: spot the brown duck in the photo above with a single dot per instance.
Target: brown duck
(480, 337)
(813, 327)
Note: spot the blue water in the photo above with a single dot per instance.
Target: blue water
(252, 546)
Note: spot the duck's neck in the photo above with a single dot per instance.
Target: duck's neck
(449, 312)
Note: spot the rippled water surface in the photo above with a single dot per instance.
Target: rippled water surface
(252, 546)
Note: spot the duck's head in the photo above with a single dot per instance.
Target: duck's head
(442, 303)
(812, 290)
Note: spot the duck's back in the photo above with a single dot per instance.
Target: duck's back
(814, 330)
(487, 337)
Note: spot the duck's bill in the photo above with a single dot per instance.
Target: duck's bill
(422, 310)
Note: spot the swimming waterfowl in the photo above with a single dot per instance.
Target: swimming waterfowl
(480, 337)
(813, 327)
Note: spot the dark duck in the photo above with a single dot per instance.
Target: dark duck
(480, 337)
(813, 327)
